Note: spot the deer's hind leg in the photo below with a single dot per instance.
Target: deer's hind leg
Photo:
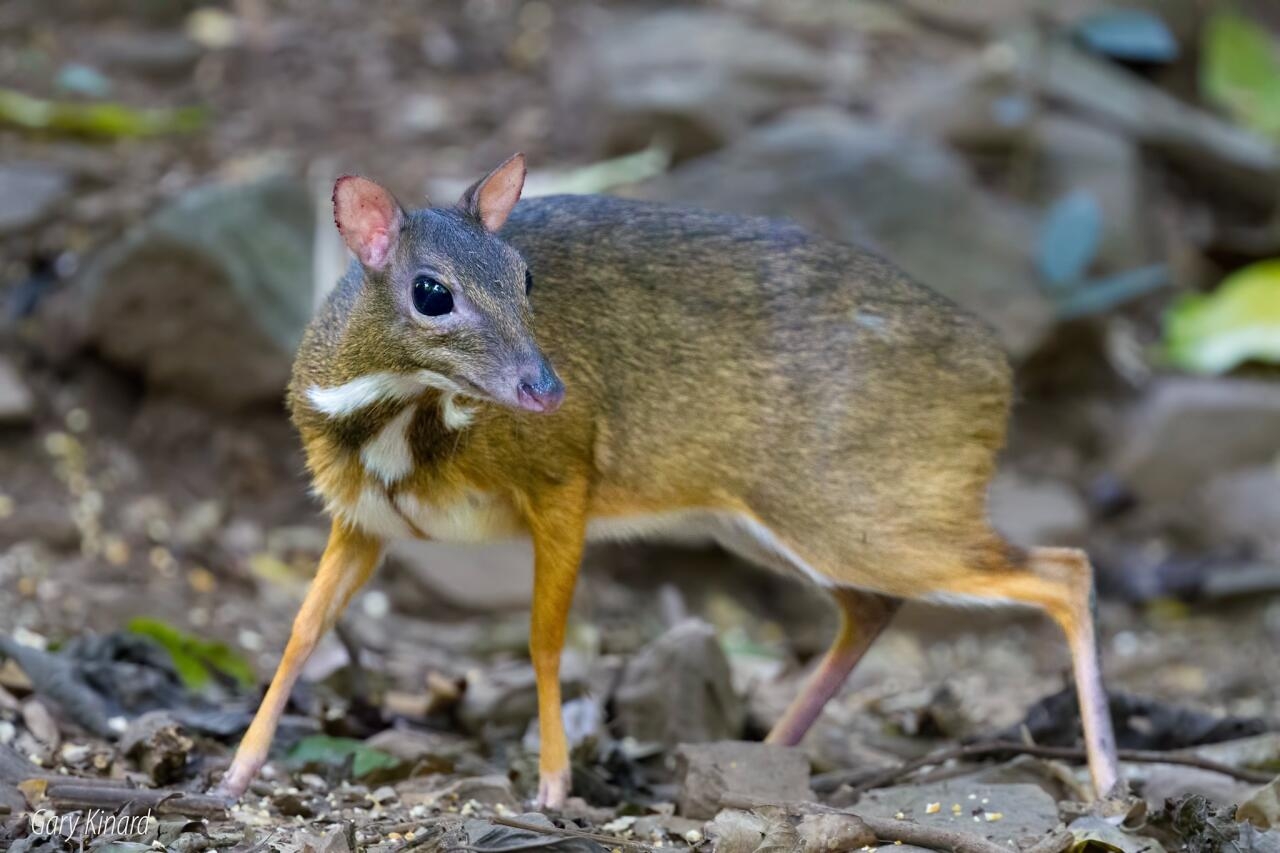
(1060, 582)
(863, 615)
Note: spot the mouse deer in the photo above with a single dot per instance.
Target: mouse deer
(579, 367)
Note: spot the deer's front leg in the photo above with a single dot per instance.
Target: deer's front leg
(348, 561)
(558, 525)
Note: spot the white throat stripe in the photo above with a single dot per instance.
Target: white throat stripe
(364, 391)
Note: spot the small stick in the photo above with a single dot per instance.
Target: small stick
(933, 837)
(889, 830)
(576, 833)
(831, 781)
(164, 802)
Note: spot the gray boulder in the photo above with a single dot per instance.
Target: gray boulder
(29, 192)
(733, 773)
(208, 298)
(679, 689)
(693, 78)
(1012, 816)
(1187, 431)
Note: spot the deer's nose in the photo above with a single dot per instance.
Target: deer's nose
(539, 389)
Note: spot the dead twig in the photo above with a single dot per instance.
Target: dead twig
(889, 830)
(830, 781)
(564, 832)
(934, 837)
(164, 802)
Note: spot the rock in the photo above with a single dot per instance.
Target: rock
(728, 773)
(208, 298)
(1199, 141)
(1174, 782)
(1030, 512)
(493, 790)
(40, 723)
(1008, 815)
(691, 78)
(1188, 431)
(435, 752)
(896, 193)
(679, 689)
(771, 828)
(1257, 751)
(1243, 508)
(158, 745)
(29, 192)
(488, 578)
(17, 405)
(506, 697)
(329, 839)
(292, 804)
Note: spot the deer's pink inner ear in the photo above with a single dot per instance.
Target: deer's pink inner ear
(500, 192)
(368, 217)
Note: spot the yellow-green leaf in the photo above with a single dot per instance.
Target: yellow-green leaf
(1240, 70)
(1238, 322)
(102, 120)
(194, 658)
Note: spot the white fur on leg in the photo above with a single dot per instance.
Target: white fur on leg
(553, 790)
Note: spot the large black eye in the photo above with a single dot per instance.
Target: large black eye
(528, 282)
(430, 297)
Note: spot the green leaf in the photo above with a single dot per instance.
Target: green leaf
(1240, 70)
(194, 659)
(1238, 322)
(104, 120)
(322, 749)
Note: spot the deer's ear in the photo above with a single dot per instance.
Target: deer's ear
(490, 199)
(369, 219)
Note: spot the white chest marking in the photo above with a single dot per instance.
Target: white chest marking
(364, 391)
(455, 415)
(476, 517)
(373, 513)
(388, 455)
(738, 533)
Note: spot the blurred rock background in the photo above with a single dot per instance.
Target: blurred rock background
(1099, 180)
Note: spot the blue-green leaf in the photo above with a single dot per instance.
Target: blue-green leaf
(1069, 238)
(322, 749)
(1128, 34)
